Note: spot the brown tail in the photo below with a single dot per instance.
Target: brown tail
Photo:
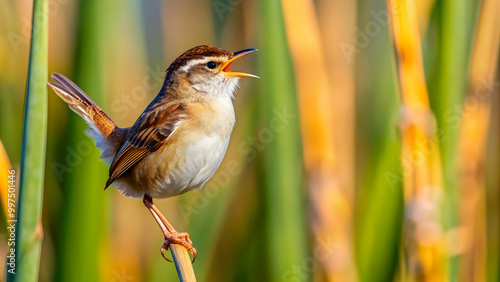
(81, 104)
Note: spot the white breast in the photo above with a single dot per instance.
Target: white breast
(202, 158)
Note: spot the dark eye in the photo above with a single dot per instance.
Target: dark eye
(211, 65)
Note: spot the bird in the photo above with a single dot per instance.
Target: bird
(178, 142)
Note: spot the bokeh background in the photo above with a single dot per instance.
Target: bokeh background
(322, 180)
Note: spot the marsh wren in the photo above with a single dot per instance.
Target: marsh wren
(180, 139)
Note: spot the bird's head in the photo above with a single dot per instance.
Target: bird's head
(206, 69)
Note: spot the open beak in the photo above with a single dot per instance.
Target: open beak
(236, 55)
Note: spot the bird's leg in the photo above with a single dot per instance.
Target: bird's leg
(171, 235)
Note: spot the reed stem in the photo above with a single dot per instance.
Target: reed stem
(182, 263)
(29, 231)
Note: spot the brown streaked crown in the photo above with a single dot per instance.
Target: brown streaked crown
(197, 52)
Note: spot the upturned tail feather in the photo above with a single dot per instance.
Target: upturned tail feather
(81, 104)
(103, 130)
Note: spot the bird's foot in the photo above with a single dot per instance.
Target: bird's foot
(180, 238)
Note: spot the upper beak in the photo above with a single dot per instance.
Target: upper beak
(236, 55)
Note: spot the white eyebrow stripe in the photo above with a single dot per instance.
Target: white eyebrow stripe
(198, 61)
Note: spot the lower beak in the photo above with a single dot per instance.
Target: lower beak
(236, 55)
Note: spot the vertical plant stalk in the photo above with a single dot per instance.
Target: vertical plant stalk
(474, 133)
(424, 247)
(455, 26)
(182, 263)
(330, 198)
(282, 160)
(29, 232)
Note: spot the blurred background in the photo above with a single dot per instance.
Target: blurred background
(333, 173)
